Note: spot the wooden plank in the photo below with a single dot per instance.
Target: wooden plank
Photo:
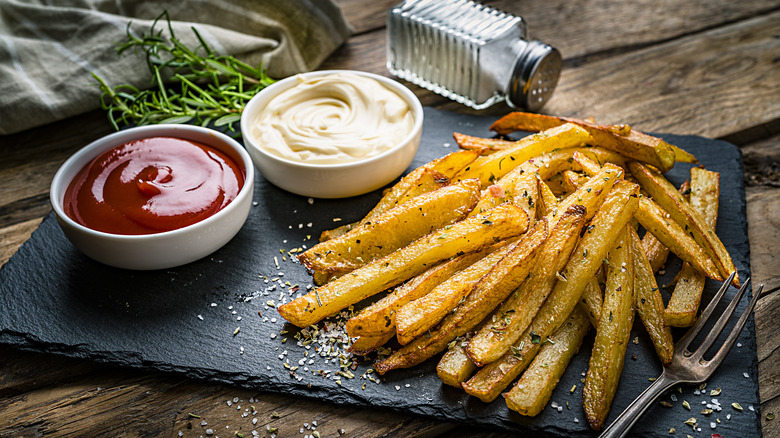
(13, 237)
(589, 29)
(366, 16)
(713, 84)
(71, 397)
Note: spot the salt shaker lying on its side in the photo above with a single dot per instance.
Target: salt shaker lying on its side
(470, 53)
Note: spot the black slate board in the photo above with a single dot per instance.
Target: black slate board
(53, 299)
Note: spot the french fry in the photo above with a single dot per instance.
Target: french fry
(629, 142)
(393, 229)
(667, 196)
(651, 216)
(592, 301)
(455, 366)
(415, 183)
(592, 193)
(614, 214)
(488, 168)
(684, 303)
(648, 302)
(535, 387)
(486, 295)
(683, 156)
(420, 315)
(656, 252)
(485, 146)
(514, 315)
(612, 334)
(571, 180)
(364, 345)
(518, 187)
(378, 318)
(549, 204)
(471, 234)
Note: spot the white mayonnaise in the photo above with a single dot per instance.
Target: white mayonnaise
(332, 119)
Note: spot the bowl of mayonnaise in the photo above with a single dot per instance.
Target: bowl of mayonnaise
(332, 133)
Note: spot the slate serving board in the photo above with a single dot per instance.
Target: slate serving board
(183, 320)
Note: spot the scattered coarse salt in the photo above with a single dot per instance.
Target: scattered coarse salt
(746, 375)
(229, 403)
(739, 344)
(213, 304)
(310, 201)
(576, 420)
(446, 145)
(673, 397)
(712, 425)
(397, 388)
(200, 317)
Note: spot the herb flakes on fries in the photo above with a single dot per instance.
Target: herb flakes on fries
(497, 255)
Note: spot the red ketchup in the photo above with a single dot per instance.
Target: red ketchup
(152, 185)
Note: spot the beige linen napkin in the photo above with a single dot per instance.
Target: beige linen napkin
(48, 49)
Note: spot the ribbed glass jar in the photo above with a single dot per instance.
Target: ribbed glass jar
(470, 53)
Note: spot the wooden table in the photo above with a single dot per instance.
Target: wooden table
(710, 68)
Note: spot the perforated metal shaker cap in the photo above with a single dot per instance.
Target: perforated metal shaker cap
(535, 76)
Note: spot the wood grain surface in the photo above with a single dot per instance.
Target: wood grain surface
(699, 67)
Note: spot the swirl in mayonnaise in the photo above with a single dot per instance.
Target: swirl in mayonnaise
(333, 119)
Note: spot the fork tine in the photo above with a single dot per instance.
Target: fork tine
(720, 324)
(685, 341)
(726, 347)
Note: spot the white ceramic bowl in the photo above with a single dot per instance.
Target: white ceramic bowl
(332, 180)
(160, 250)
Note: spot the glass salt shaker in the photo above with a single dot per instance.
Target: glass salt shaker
(470, 53)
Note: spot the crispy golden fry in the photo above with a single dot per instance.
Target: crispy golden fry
(485, 146)
(651, 216)
(571, 180)
(455, 367)
(378, 318)
(471, 234)
(648, 302)
(549, 202)
(612, 334)
(535, 387)
(586, 259)
(681, 211)
(683, 156)
(684, 303)
(416, 182)
(513, 316)
(364, 345)
(592, 301)
(488, 168)
(393, 229)
(629, 142)
(656, 252)
(592, 193)
(420, 315)
(486, 295)
(518, 187)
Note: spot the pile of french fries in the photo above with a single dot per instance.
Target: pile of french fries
(504, 254)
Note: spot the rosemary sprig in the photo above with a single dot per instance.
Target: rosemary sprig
(188, 85)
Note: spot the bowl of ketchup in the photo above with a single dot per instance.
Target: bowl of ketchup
(154, 197)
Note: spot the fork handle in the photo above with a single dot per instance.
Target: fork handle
(623, 423)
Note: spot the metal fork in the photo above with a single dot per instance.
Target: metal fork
(689, 366)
